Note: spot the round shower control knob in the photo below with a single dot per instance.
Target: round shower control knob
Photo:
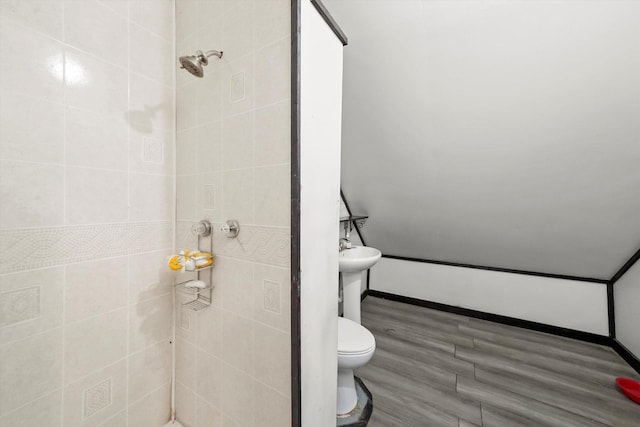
(231, 229)
(202, 229)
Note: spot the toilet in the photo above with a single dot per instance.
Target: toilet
(355, 348)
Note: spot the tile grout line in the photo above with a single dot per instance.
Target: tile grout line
(30, 402)
(64, 208)
(64, 327)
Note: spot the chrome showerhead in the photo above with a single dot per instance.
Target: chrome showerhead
(192, 65)
(195, 63)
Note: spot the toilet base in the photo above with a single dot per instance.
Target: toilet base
(359, 416)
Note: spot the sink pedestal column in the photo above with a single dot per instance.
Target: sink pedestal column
(351, 283)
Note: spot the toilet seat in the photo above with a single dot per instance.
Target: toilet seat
(354, 339)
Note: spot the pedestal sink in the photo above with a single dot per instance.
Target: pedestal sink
(351, 263)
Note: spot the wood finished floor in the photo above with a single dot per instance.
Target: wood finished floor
(433, 368)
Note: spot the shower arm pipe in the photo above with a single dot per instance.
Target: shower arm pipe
(211, 53)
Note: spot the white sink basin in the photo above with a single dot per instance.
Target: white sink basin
(357, 258)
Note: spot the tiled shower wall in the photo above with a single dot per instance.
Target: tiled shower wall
(233, 162)
(86, 211)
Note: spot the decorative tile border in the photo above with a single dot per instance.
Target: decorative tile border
(27, 249)
(268, 245)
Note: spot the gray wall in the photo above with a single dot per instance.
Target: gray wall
(495, 133)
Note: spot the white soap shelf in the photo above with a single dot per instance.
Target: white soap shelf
(183, 288)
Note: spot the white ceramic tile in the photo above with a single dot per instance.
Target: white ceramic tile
(96, 140)
(186, 18)
(187, 197)
(97, 397)
(121, 7)
(20, 305)
(185, 239)
(95, 287)
(273, 195)
(118, 420)
(185, 406)
(95, 28)
(210, 16)
(154, 15)
(237, 399)
(39, 74)
(270, 409)
(31, 129)
(231, 7)
(152, 410)
(150, 197)
(95, 196)
(151, 55)
(273, 73)
(209, 372)
(237, 141)
(186, 363)
(149, 369)
(207, 415)
(237, 28)
(237, 195)
(237, 85)
(273, 21)
(45, 411)
(30, 303)
(187, 105)
(151, 152)
(230, 422)
(151, 105)
(272, 358)
(237, 286)
(94, 343)
(272, 296)
(273, 134)
(237, 341)
(185, 320)
(209, 330)
(210, 147)
(150, 322)
(187, 156)
(93, 84)
(210, 89)
(149, 275)
(45, 16)
(210, 197)
(29, 369)
(31, 195)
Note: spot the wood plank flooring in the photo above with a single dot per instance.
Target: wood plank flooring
(433, 368)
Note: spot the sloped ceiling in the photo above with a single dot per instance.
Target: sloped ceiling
(495, 133)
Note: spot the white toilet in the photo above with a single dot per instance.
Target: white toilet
(355, 348)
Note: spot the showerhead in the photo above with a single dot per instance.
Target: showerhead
(195, 63)
(192, 65)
